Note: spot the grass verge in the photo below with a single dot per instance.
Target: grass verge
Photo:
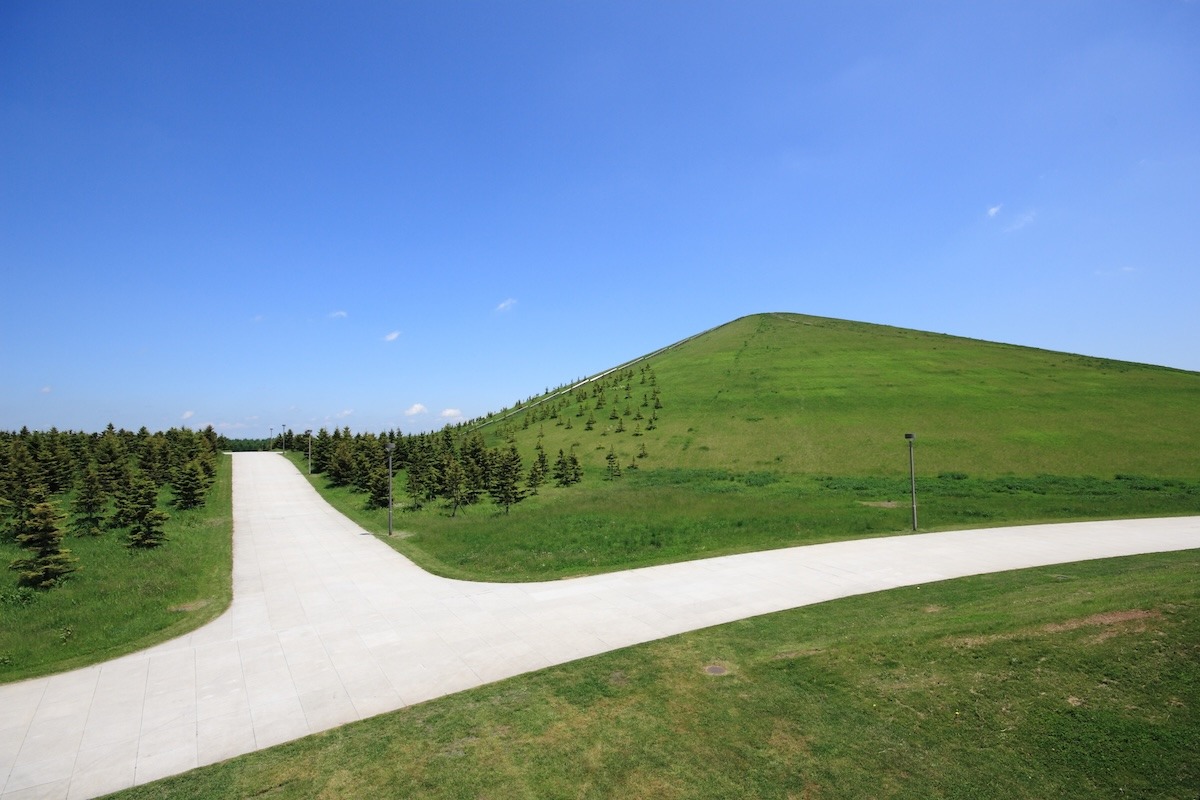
(1073, 681)
(120, 600)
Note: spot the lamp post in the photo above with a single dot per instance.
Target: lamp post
(308, 433)
(390, 447)
(271, 444)
(283, 437)
(912, 476)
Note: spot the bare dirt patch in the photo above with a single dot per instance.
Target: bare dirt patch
(879, 503)
(195, 605)
(1112, 623)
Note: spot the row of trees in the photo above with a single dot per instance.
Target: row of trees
(451, 466)
(110, 481)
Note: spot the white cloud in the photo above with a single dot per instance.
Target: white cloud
(338, 314)
(187, 415)
(416, 408)
(506, 305)
(391, 337)
(451, 414)
(46, 390)
(343, 414)
(1021, 221)
(994, 210)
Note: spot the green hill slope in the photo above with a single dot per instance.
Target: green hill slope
(780, 429)
(805, 395)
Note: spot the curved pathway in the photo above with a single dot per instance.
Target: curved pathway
(329, 625)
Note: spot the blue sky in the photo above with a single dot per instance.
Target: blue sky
(250, 214)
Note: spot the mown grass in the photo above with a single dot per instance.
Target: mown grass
(655, 516)
(1074, 681)
(782, 429)
(121, 600)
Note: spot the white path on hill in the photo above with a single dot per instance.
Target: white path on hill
(329, 625)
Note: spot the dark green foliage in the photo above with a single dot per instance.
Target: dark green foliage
(505, 490)
(39, 531)
(613, 465)
(538, 471)
(90, 508)
(145, 520)
(190, 486)
(379, 488)
(341, 465)
(454, 487)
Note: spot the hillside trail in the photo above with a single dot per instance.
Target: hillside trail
(329, 625)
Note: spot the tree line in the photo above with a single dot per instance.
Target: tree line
(106, 482)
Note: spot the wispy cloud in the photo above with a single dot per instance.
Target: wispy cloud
(1023, 220)
(339, 314)
(46, 390)
(994, 210)
(414, 409)
(391, 337)
(451, 414)
(187, 415)
(1116, 273)
(507, 305)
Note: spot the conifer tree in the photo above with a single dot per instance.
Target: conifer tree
(562, 470)
(146, 529)
(378, 488)
(190, 486)
(574, 468)
(39, 531)
(614, 465)
(341, 464)
(505, 478)
(454, 483)
(538, 471)
(91, 504)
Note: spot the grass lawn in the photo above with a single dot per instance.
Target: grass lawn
(1078, 680)
(782, 429)
(120, 600)
(654, 516)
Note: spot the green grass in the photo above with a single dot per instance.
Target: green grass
(654, 516)
(1073, 681)
(781, 429)
(121, 601)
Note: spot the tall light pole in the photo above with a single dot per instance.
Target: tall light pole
(912, 475)
(271, 445)
(308, 433)
(283, 437)
(390, 447)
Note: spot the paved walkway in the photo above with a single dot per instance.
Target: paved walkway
(329, 625)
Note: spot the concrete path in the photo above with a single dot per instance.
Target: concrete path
(329, 625)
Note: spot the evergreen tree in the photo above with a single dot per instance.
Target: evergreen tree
(454, 483)
(538, 471)
(39, 532)
(341, 464)
(190, 486)
(125, 498)
(91, 504)
(378, 488)
(614, 465)
(562, 472)
(146, 529)
(507, 473)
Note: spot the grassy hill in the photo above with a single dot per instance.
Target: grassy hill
(794, 394)
(783, 429)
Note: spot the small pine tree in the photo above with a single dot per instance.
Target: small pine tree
(146, 530)
(39, 532)
(190, 486)
(574, 468)
(538, 470)
(614, 465)
(91, 503)
(377, 487)
(504, 489)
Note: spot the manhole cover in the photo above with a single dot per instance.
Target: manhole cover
(713, 669)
